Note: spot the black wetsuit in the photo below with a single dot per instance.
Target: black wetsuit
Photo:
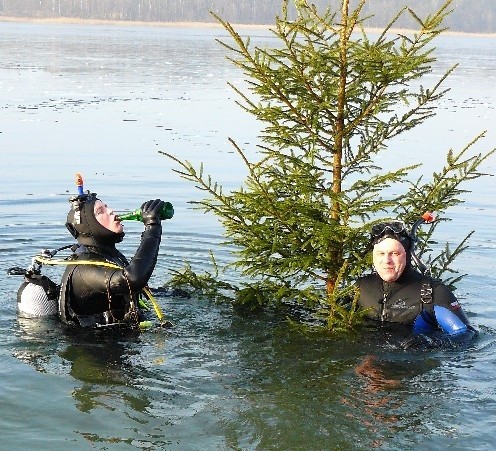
(400, 301)
(97, 294)
(103, 288)
(411, 297)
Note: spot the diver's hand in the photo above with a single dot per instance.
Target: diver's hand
(423, 341)
(415, 342)
(150, 212)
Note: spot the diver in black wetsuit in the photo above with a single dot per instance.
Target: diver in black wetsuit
(398, 293)
(104, 288)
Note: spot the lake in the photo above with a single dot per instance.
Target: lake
(103, 101)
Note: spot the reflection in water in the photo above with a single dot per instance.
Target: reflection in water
(38, 341)
(256, 383)
(376, 378)
(104, 371)
(384, 398)
(289, 384)
(113, 96)
(377, 402)
(354, 392)
(101, 361)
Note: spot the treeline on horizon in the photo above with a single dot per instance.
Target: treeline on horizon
(473, 16)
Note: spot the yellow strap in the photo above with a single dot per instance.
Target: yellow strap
(146, 290)
(156, 307)
(46, 261)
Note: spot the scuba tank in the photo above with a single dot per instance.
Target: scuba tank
(38, 295)
(37, 298)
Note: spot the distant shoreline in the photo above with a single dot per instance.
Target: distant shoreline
(74, 20)
(131, 23)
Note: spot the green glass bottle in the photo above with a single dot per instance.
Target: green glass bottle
(167, 212)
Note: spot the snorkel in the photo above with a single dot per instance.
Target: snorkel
(83, 224)
(79, 184)
(426, 218)
(77, 201)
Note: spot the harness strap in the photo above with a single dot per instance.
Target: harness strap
(146, 290)
(46, 261)
(103, 319)
(65, 311)
(426, 297)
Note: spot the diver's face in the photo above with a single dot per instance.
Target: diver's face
(389, 258)
(107, 218)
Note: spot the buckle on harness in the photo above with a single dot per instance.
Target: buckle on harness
(426, 297)
(426, 293)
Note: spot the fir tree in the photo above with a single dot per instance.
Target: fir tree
(331, 98)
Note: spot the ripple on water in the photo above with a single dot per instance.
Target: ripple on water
(102, 101)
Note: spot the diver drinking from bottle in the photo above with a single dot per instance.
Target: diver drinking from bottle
(99, 287)
(104, 288)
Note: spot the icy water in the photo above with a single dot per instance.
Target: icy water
(103, 100)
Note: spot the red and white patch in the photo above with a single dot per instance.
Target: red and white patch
(455, 305)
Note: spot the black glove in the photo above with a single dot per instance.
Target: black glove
(422, 341)
(150, 212)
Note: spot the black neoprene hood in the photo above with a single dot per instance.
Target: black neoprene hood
(83, 225)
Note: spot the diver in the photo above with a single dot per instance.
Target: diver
(101, 287)
(398, 293)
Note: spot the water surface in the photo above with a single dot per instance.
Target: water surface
(102, 100)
